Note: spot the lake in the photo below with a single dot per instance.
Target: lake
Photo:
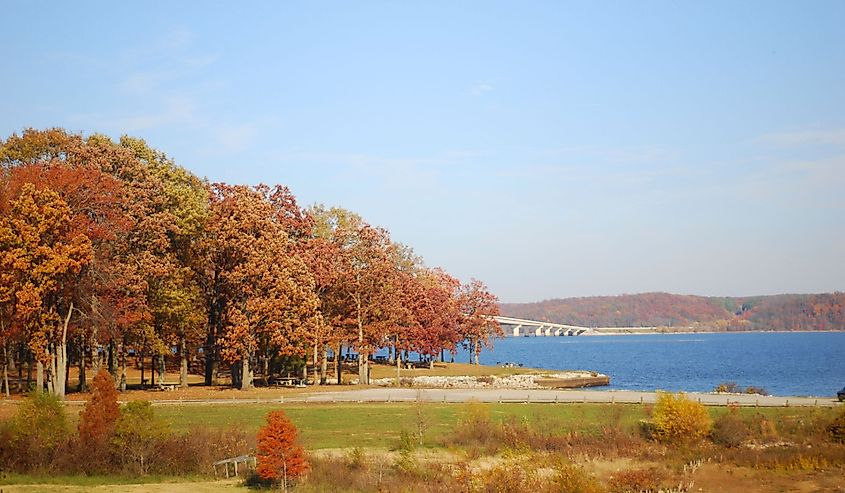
(805, 364)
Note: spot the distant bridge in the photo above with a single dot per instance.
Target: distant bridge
(516, 327)
(521, 327)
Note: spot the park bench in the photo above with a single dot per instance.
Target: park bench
(248, 462)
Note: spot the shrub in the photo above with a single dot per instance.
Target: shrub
(756, 390)
(405, 461)
(137, 435)
(39, 429)
(356, 459)
(509, 477)
(728, 387)
(98, 419)
(677, 419)
(573, 479)
(636, 480)
(729, 429)
(837, 428)
(280, 457)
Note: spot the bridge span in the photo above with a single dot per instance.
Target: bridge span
(516, 327)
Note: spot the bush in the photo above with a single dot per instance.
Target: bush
(280, 457)
(756, 390)
(837, 428)
(729, 429)
(137, 435)
(98, 419)
(39, 429)
(636, 480)
(677, 419)
(728, 387)
(573, 479)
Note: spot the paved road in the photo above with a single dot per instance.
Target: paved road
(381, 394)
(511, 395)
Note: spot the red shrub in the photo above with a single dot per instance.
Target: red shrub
(280, 457)
(97, 420)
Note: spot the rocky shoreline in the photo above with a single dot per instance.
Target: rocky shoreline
(556, 380)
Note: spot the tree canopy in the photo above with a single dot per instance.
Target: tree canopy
(110, 249)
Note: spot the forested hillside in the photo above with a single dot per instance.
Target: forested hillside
(781, 312)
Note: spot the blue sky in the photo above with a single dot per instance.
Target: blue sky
(551, 149)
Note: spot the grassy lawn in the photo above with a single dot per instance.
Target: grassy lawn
(379, 425)
(119, 484)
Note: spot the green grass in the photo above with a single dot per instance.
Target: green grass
(379, 425)
(95, 480)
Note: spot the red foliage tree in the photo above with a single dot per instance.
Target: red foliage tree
(97, 420)
(280, 457)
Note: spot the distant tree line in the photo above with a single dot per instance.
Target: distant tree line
(781, 312)
(109, 249)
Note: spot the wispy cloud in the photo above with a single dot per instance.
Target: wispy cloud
(797, 138)
(480, 88)
(171, 111)
(236, 138)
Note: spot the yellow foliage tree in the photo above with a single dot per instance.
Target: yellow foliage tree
(678, 419)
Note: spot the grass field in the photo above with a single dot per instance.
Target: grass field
(331, 431)
(379, 425)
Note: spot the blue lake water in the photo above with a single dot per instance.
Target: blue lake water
(811, 364)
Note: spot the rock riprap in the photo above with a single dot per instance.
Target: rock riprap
(519, 381)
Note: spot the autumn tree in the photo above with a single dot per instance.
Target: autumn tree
(42, 259)
(280, 457)
(260, 294)
(97, 420)
(364, 294)
(436, 310)
(177, 212)
(477, 327)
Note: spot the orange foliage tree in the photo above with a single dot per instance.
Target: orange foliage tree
(477, 306)
(97, 420)
(280, 457)
(41, 258)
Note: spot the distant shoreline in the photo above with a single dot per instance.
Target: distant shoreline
(666, 332)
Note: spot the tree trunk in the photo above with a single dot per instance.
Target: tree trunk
(338, 365)
(122, 380)
(183, 362)
(6, 370)
(363, 357)
(96, 357)
(112, 362)
(20, 374)
(39, 377)
(475, 350)
(29, 372)
(316, 364)
(210, 348)
(398, 368)
(61, 358)
(246, 375)
(83, 381)
(162, 368)
(324, 364)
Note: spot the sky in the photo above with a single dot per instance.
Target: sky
(550, 149)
